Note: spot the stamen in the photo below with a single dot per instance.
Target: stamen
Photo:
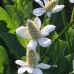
(31, 57)
(33, 30)
(50, 5)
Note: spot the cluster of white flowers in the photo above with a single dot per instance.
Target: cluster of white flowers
(34, 33)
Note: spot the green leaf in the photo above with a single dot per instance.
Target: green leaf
(26, 2)
(56, 49)
(24, 58)
(11, 10)
(4, 16)
(22, 41)
(13, 44)
(56, 55)
(15, 14)
(4, 62)
(3, 27)
(71, 39)
(28, 9)
(69, 61)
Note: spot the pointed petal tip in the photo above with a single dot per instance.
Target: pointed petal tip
(47, 29)
(20, 62)
(38, 11)
(37, 21)
(37, 71)
(44, 42)
(21, 70)
(57, 8)
(43, 66)
(39, 2)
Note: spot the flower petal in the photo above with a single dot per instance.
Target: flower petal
(38, 11)
(46, 1)
(57, 8)
(39, 2)
(49, 14)
(22, 70)
(32, 45)
(23, 32)
(43, 66)
(37, 71)
(47, 29)
(44, 42)
(20, 62)
(37, 21)
(72, 1)
(29, 70)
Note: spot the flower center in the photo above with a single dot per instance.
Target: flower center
(50, 5)
(32, 58)
(33, 30)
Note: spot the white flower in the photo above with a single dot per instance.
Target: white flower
(72, 1)
(35, 70)
(32, 31)
(49, 7)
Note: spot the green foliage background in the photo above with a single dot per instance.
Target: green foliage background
(14, 13)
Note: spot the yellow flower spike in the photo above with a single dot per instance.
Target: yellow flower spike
(32, 58)
(31, 65)
(33, 30)
(50, 5)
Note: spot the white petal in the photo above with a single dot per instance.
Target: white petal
(44, 42)
(38, 11)
(57, 8)
(23, 32)
(49, 14)
(20, 62)
(46, 1)
(22, 70)
(43, 66)
(47, 29)
(32, 45)
(39, 2)
(29, 70)
(37, 21)
(37, 71)
(72, 1)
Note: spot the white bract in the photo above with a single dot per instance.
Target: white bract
(31, 65)
(49, 7)
(32, 70)
(72, 1)
(32, 31)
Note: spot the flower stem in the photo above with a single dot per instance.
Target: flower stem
(44, 20)
(38, 50)
(72, 15)
(65, 24)
(65, 29)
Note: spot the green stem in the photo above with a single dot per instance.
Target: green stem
(72, 15)
(38, 50)
(44, 20)
(65, 29)
(65, 24)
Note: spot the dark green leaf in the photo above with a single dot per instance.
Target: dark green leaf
(13, 44)
(4, 62)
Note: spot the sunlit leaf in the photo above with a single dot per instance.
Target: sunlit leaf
(4, 16)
